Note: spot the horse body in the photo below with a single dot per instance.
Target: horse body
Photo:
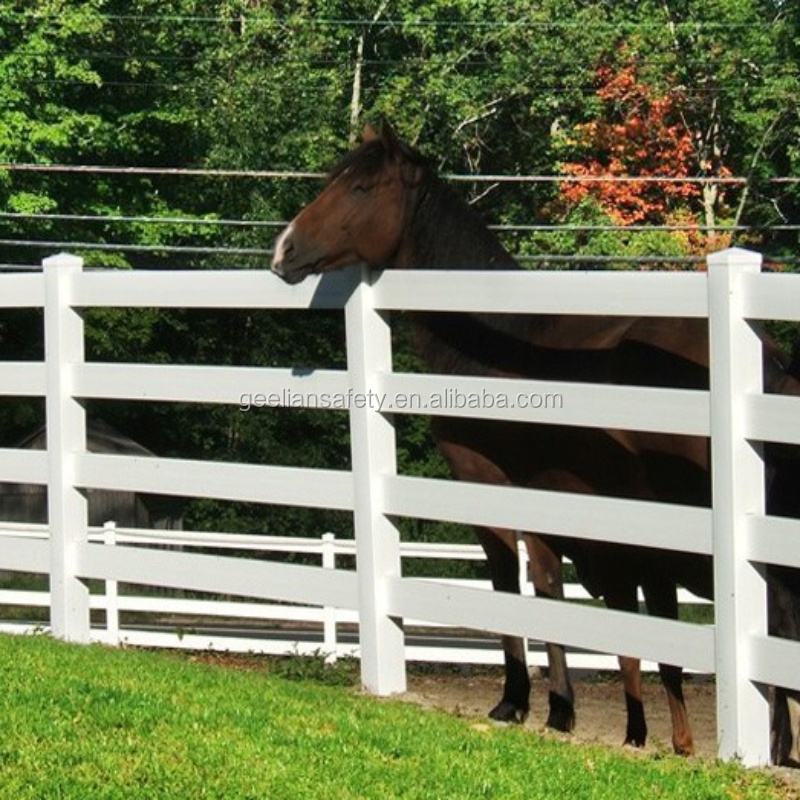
(384, 206)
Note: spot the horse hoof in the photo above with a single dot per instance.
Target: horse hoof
(636, 735)
(684, 749)
(634, 741)
(508, 712)
(562, 714)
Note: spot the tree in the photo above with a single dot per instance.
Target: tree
(742, 91)
(91, 83)
(507, 88)
(638, 133)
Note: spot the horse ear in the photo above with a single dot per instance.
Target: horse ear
(413, 169)
(369, 134)
(389, 136)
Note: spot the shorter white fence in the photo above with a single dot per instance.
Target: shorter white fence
(234, 625)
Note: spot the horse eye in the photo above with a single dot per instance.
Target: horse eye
(361, 188)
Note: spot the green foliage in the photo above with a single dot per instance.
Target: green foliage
(89, 722)
(589, 232)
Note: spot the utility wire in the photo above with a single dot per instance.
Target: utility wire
(133, 248)
(250, 18)
(292, 174)
(552, 88)
(654, 59)
(12, 216)
(564, 258)
(163, 171)
(119, 219)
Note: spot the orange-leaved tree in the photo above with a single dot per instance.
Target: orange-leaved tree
(640, 150)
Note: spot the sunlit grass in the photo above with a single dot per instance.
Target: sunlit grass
(90, 722)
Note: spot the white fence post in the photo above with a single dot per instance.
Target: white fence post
(112, 589)
(66, 437)
(381, 637)
(738, 491)
(329, 613)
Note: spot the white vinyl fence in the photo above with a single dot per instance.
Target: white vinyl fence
(734, 413)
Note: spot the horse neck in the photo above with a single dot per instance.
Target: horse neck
(444, 233)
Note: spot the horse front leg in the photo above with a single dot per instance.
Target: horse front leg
(500, 546)
(547, 575)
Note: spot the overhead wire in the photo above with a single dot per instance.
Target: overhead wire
(14, 216)
(307, 20)
(210, 172)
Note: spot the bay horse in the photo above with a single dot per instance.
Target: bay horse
(384, 205)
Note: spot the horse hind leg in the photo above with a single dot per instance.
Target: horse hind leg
(672, 680)
(500, 546)
(785, 734)
(546, 573)
(623, 598)
(662, 601)
(636, 725)
(783, 592)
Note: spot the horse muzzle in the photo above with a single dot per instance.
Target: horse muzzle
(284, 261)
(289, 274)
(294, 259)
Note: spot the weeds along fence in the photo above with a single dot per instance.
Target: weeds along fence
(735, 413)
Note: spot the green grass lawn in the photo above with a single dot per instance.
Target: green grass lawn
(91, 722)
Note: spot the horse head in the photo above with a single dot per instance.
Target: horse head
(360, 215)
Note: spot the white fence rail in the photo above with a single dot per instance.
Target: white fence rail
(733, 413)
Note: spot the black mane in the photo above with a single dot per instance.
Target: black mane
(449, 234)
(363, 162)
(445, 233)
(368, 160)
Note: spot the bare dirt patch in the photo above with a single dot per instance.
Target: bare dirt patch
(600, 711)
(600, 706)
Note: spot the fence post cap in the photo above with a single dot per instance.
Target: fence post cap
(63, 261)
(737, 255)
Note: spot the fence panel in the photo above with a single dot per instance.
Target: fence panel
(242, 386)
(679, 411)
(647, 294)
(253, 483)
(641, 522)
